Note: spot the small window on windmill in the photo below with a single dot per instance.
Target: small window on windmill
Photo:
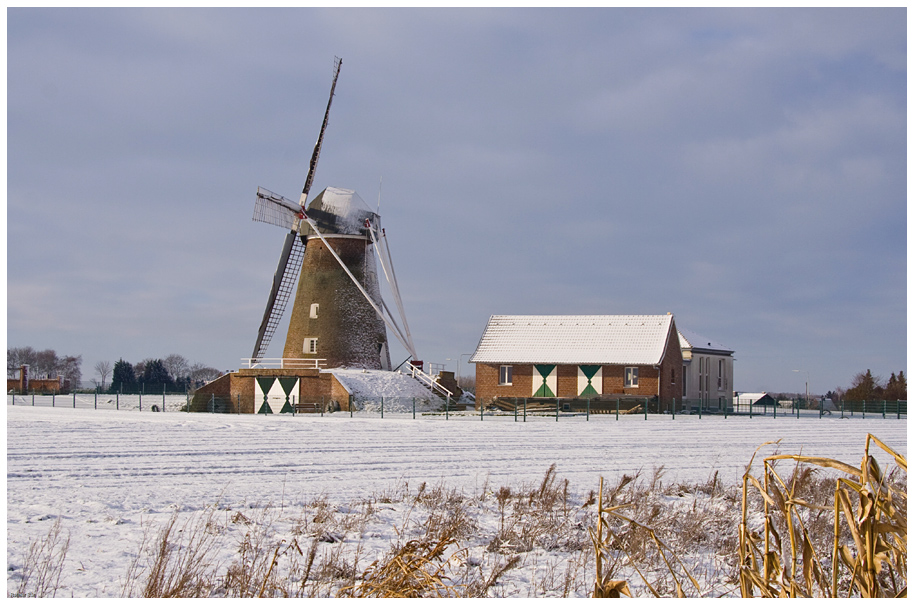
(314, 311)
(311, 345)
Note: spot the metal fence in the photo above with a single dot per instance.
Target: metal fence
(105, 401)
(517, 408)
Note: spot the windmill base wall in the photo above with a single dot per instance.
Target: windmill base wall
(236, 390)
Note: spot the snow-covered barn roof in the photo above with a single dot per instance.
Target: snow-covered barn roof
(636, 340)
(695, 341)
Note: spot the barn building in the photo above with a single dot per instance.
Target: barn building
(590, 357)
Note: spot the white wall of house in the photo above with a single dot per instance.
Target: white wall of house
(708, 376)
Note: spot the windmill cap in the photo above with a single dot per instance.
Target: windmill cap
(340, 211)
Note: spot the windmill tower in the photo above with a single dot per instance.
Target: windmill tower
(334, 245)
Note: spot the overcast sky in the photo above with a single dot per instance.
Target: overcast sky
(742, 169)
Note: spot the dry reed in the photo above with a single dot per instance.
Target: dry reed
(868, 539)
(39, 576)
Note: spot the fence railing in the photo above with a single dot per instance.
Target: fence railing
(106, 401)
(314, 363)
(518, 408)
(174, 388)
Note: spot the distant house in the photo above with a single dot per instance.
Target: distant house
(579, 356)
(708, 370)
(762, 400)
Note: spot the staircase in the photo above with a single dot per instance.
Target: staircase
(430, 382)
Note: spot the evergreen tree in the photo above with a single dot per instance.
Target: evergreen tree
(123, 376)
(865, 388)
(155, 373)
(896, 387)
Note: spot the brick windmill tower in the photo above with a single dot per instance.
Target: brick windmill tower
(333, 245)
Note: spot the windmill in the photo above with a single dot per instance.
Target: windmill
(338, 315)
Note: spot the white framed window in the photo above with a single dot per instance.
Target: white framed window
(720, 374)
(314, 311)
(632, 376)
(505, 375)
(311, 345)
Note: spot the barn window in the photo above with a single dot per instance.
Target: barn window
(311, 345)
(632, 376)
(314, 311)
(505, 375)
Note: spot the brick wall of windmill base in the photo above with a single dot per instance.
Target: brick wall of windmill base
(239, 388)
(347, 328)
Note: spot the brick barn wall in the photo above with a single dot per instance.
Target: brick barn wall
(567, 381)
(488, 388)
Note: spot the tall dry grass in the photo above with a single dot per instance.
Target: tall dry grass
(180, 560)
(39, 575)
(818, 528)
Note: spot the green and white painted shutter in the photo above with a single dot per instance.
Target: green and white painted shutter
(275, 394)
(544, 380)
(590, 379)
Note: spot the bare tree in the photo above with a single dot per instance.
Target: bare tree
(177, 366)
(70, 369)
(103, 368)
(200, 373)
(46, 364)
(139, 369)
(16, 357)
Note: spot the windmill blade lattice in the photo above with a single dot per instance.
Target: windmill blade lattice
(275, 209)
(283, 284)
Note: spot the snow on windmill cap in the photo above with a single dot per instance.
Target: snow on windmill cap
(340, 211)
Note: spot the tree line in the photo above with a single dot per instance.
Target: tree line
(172, 373)
(867, 387)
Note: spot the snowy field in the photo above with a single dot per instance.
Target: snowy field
(109, 474)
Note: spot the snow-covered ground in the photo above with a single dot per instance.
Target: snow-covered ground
(107, 474)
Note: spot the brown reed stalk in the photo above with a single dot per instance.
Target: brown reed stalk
(868, 543)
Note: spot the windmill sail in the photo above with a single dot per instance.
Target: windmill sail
(277, 210)
(283, 284)
(303, 201)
